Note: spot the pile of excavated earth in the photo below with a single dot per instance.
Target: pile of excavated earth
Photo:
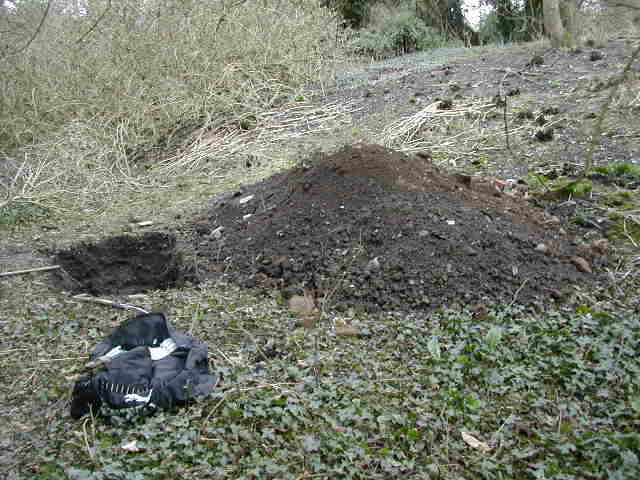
(373, 229)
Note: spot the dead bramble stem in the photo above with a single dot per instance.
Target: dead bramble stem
(597, 128)
(515, 295)
(30, 270)
(503, 98)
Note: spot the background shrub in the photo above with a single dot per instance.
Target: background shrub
(140, 68)
(354, 13)
(395, 30)
(84, 90)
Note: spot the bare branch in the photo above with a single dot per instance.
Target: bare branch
(597, 128)
(35, 34)
(30, 270)
(98, 20)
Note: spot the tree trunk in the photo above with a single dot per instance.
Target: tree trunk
(446, 17)
(553, 23)
(568, 15)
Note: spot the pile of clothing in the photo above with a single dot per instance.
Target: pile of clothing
(144, 363)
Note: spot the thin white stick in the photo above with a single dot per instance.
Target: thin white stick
(30, 270)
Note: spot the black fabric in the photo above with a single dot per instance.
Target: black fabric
(132, 378)
(147, 330)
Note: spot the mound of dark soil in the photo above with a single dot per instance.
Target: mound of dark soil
(372, 228)
(123, 265)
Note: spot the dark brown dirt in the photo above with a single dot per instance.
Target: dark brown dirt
(374, 229)
(122, 265)
(568, 88)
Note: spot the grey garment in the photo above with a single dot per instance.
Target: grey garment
(147, 363)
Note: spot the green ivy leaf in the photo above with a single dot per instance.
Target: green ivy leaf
(494, 336)
(434, 347)
(310, 443)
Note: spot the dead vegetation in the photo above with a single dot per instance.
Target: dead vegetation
(74, 118)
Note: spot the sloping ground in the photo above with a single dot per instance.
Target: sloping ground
(371, 228)
(442, 394)
(560, 92)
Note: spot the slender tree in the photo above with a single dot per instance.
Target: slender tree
(534, 18)
(553, 23)
(517, 20)
(446, 16)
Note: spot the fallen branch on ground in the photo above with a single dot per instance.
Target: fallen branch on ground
(30, 270)
(108, 303)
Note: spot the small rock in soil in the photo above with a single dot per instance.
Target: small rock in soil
(301, 304)
(581, 264)
(347, 332)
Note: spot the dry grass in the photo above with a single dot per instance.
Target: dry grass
(272, 127)
(413, 133)
(599, 24)
(462, 132)
(91, 89)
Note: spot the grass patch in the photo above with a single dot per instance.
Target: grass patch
(564, 188)
(20, 212)
(623, 174)
(625, 228)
